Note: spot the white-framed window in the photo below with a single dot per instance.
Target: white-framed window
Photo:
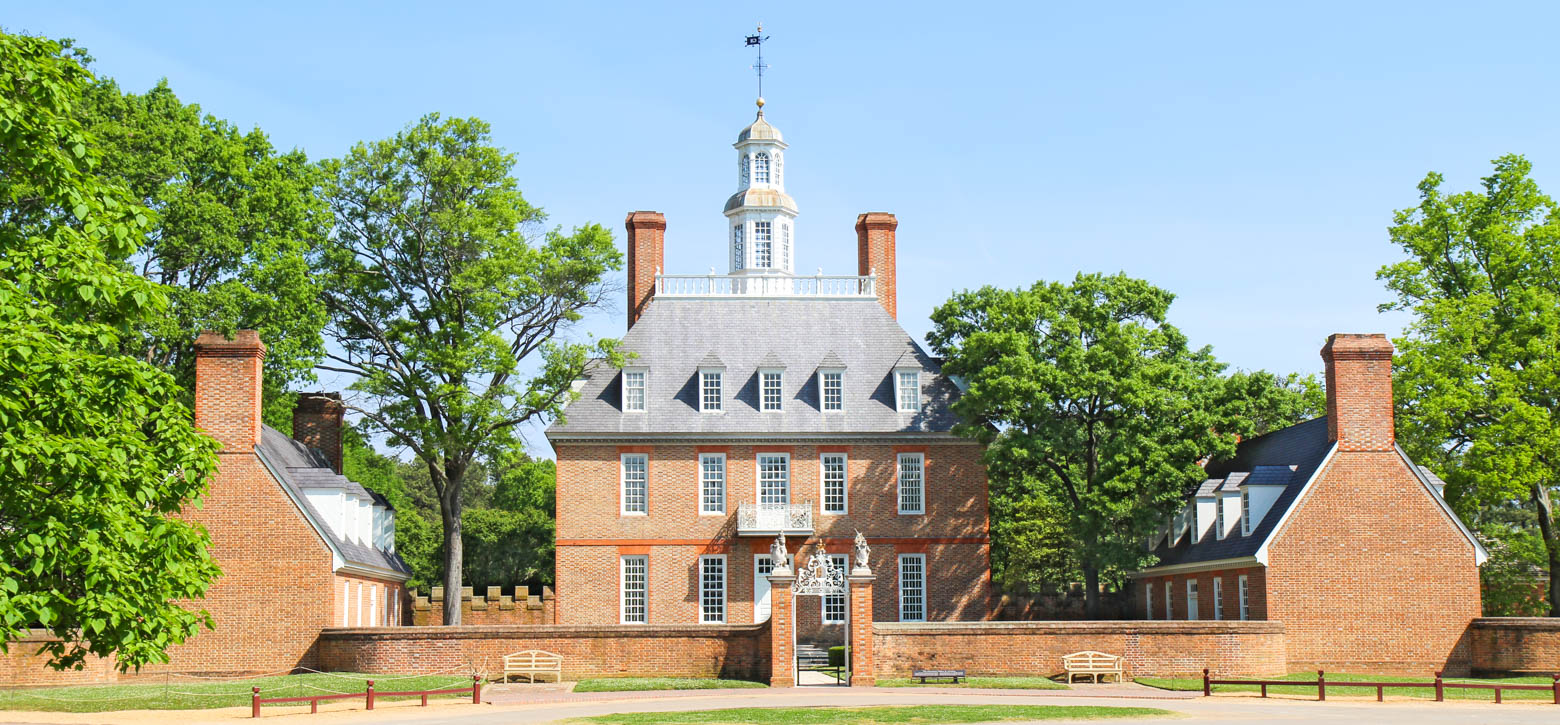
(1191, 599)
(774, 478)
(771, 390)
(346, 604)
(1245, 600)
(779, 165)
(831, 390)
(636, 483)
(907, 384)
(834, 604)
(712, 483)
(912, 587)
(1169, 607)
(912, 483)
(360, 604)
(634, 391)
(1148, 599)
(785, 245)
(832, 481)
(1218, 597)
(744, 169)
(763, 245)
(1191, 518)
(738, 253)
(712, 589)
(761, 168)
(373, 603)
(1245, 511)
(711, 395)
(634, 589)
(1218, 519)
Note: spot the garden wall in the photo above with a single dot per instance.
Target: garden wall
(729, 651)
(1156, 648)
(493, 607)
(1516, 645)
(21, 667)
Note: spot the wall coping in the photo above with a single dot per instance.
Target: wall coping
(577, 631)
(1127, 626)
(1542, 624)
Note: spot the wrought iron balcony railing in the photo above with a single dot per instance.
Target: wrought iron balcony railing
(768, 519)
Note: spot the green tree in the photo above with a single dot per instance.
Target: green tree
(446, 310)
(1092, 408)
(97, 456)
(1477, 377)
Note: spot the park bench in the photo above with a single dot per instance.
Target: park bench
(923, 675)
(1091, 663)
(533, 662)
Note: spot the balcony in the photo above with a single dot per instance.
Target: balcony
(783, 286)
(769, 519)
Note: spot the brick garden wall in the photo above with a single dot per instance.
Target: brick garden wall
(1515, 645)
(493, 607)
(1036, 648)
(21, 667)
(732, 651)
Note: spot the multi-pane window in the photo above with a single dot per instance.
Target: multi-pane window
(1245, 606)
(834, 604)
(771, 386)
(1218, 518)
(712, 589)
(779, 164)
(1218, 597)
(1191, 599)
(912, 587)
(633, 391)
(636, 470)
(1169, 607)
(833, 482)
(633, 589)
(712, 483)
(763, 245)
(1245, 512)
(738, 255)
(1148, 598)
(831, 384)
(761, 168)
(744, 163)
(774, 478)
(710, 395)
(909, 390)
(912, 483)
(785, 245)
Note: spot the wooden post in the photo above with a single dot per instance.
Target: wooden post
(1497, 694)
(1321, 685)
(863, 663)
(476, 689)
(1440, 692)
(370, 694)
(1557, 689)
(1207, 686)
(254, 702)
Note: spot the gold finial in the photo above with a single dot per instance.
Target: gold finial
(760, 102)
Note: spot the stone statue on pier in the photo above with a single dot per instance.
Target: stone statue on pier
(863, 552)
(777, 554)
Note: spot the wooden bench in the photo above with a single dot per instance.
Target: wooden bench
(1091, 663)
(923, 675)
(533, 662)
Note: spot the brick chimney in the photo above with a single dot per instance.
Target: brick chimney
(646, 255)
(227, 388)
(1359, 392)
(317, 424)
(875, 253)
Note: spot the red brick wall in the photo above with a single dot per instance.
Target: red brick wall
(1370, 575)
(493, 607)
(1516, 645)
(362, 602)
(317, 424)
(1256, 594)
(1359, 391)
(875, 252)
(646, 254)
(21, 666)
(588, 651)
(1036, 648)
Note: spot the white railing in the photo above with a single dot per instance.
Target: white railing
(774, 518)
(773, 285)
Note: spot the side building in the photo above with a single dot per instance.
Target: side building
(760, 403)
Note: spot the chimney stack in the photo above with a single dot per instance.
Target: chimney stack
(875, 253)
(227, 388)
(646, 256)
(1359, 392)
(317, 424)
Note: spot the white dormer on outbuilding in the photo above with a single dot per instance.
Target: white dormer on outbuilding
(1205, 510)
(1260, 491)
(762, 217)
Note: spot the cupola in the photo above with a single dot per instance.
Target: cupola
(762, 216)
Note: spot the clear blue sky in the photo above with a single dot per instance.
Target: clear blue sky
(1246, 156)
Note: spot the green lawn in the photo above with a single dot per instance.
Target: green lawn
(631, 684)
(993, 683)
(1195, 684)
(164, 692)
(871, 715)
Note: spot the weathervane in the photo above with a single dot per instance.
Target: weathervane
(757, 41)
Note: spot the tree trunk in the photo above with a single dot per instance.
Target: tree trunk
(1546, 529)
(450, 511)
(1091, 591)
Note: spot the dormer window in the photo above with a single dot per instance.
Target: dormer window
(711, 395)
(1245, 511)
(761, 168)
(1218, 520)
(907, 385)
(634, 382)
(831, 390)
(763, 245)
(771, 386)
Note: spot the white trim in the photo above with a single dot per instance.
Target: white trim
(623, 590)
(1262, 551)
(1480, 555)
(762, 404)
(899, 391)
(720, 398)
(758, 474)
(823, 493)
(901, 585)
(1243, 598)
(1193, 595)
(645, 402)
(822, 406)
(899, 483)
(1218, 598)
(725, 478)
(725, 588)
(1148, 600)
(623, 484)
(1197, 566)
(1169, 601)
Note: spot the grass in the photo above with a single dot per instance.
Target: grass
(871, 715)
(992, 683)
(1335, 686)
(172, 692)
(633, 684)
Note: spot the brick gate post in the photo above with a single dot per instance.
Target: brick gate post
(782, 658)
(862, 671)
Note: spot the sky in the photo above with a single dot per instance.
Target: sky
(1246, 156)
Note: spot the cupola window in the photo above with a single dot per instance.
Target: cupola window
(761, 168)
(737, 252)
(763, 245)
(785, 245)
(744, 169)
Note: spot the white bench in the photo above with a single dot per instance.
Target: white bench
(1091, 663)
(533, 662)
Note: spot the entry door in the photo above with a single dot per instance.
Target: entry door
(763, 566)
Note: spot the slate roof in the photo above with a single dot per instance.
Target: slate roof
(300, 467)
(674, 335)
(1285, 457)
